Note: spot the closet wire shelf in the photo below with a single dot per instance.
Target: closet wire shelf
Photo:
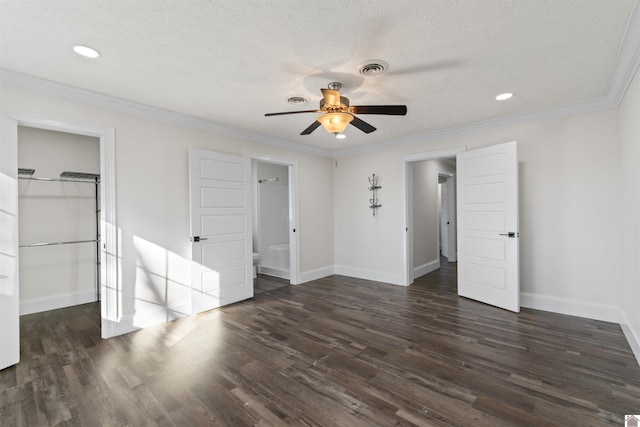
(66, 176)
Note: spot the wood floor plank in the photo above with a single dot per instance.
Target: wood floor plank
(337, 351)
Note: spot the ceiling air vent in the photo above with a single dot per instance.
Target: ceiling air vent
(373, 67)
(297, 100)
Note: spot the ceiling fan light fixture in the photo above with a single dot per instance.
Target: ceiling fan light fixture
(335, 123)
(340, 136)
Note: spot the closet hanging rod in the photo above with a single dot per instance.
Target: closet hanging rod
(57, 179)
(277, 178)
(32, 245)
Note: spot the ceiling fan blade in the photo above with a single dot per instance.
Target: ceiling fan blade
(391, 110)
(331, 97)
(311, 128)
(292, 112)
(362, 125)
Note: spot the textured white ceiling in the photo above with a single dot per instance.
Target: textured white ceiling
(232, 61)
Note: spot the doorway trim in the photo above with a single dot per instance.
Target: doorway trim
(294, 241)
(109, 303)
(406, 204)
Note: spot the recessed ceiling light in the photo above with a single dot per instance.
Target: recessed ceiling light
(340, 136)
(86, 51)
(504, 96)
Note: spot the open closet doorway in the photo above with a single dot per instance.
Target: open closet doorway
(9, 251)
(58, 215)
(275, 255)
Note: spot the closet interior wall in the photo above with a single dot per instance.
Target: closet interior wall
(60, 210)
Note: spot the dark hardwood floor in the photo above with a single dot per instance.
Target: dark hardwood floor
(334, 352)
(263, 284)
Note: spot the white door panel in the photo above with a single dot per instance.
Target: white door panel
(9, 284)
(223, 224)
(488, 268)
(220, 228)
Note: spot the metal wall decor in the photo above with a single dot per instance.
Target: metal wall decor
(374, 187)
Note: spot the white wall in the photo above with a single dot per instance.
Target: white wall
(56, 276)
(569, 209)
(153, 203)
(630, 137)
(367, 246)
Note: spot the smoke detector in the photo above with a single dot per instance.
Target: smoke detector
(373, 67)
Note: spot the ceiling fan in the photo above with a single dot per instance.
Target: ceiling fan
(337, 114)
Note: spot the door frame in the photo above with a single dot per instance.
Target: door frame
(294, 232)
(406, 204)
(109, 295)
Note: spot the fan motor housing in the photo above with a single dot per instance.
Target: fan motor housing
(344, 105)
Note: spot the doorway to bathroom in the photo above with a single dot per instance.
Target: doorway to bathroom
(274, 222)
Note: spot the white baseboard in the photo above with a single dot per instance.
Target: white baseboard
(589, 310)
(318, 273)
(571, 307)
(133, 322)
(161, 315)
(426, 268)
(37, 305)
(276, 272)
(633, 336)
(377, 276)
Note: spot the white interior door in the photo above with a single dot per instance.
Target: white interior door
(488, 225)
(220, 198)
(9, 284)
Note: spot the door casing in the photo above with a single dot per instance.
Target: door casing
(407, 204)
(110, 304)
(294, 241)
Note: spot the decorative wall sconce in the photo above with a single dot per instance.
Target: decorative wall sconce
(374, 187)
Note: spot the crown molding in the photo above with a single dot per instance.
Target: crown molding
(628, 59)
(627, 64)
(95, 99)
(484, 125)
